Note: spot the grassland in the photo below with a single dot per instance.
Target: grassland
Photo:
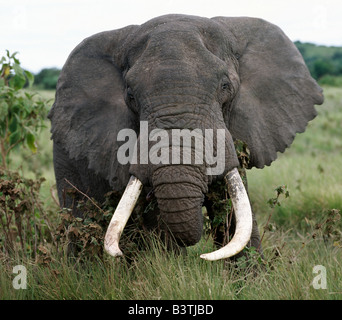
(304, 231)
(311, 168)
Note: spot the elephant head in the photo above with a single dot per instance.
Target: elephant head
(241, 77)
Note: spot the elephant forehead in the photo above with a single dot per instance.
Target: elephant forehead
(176, 37)
(172, 44)
(176, 55)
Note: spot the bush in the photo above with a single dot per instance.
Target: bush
(21, 113)
(322, 67)
(23, 221)
(329, 80)
(47, 78)
(24, 224)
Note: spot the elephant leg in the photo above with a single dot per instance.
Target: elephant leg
(67, 180)
(255, 240)
(67, 176)
(75, 180)
(219, 213)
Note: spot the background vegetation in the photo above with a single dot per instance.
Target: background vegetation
(47, 78)
(299, 232)
(324, 63)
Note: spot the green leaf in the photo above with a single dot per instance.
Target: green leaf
(14, 137)
(28, 95)
(18, 69)
(31, 142)
(13, 125)
(15, 59)
(3, 110)
(17, 82)
(29, 77)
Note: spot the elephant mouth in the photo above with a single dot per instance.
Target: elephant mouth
(240, 202)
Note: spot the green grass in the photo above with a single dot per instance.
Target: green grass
(156, 275)
(329, 80)
(300, 236)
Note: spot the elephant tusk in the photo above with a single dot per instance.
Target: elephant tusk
(243, 217)
(121, 215)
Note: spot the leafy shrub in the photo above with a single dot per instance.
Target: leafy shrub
(23, 221)
(22, 114)
(24, 224)
(83, 237)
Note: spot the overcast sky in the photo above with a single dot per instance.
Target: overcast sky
(45, 31)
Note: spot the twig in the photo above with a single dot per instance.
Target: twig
(53, 196)
(3, 154)
(273, 202)
(263, 234)
(46, 219)
(84, 195)
(6, 232)
(14, 145)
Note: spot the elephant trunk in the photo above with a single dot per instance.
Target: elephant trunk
(180, 193)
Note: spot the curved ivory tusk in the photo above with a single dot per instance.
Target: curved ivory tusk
(243, 217)
(121, 215)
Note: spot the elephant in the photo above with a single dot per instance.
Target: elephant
(240, 77)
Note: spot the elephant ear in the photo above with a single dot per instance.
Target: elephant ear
(277, 95)
(90, 109)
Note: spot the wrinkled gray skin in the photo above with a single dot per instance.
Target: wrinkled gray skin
(240, 74)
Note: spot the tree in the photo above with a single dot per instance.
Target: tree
(47, 78)
(322, 67)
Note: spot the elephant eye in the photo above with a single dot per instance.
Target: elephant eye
(224, 90)
(130, 100)
(225, 86)
(130, 94)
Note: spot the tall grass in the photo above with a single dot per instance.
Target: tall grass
(153, 274)
(299, 237)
